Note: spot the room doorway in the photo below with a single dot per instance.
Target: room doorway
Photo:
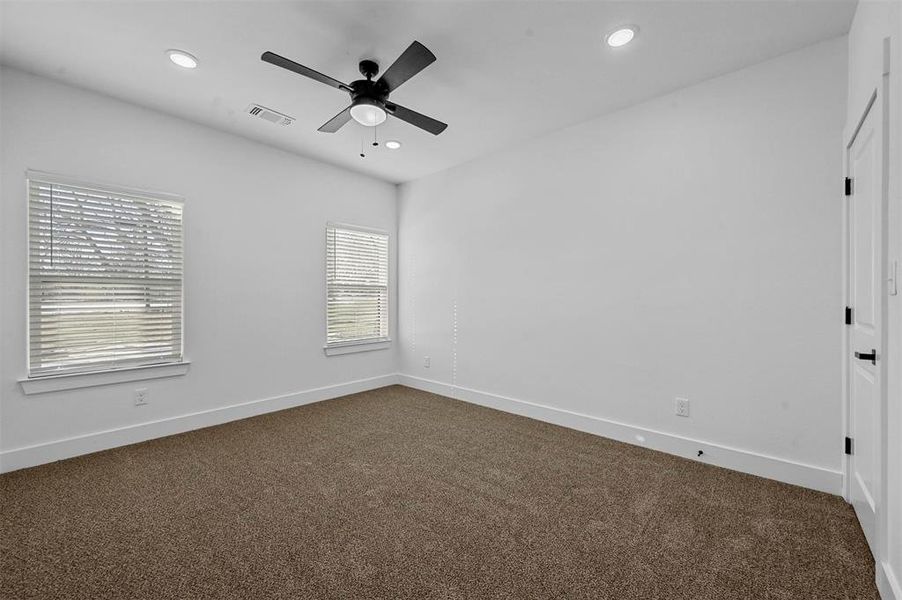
(866, 287)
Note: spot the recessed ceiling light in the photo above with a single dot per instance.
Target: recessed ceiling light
(392, 144)
(622, 36)
(182, 59)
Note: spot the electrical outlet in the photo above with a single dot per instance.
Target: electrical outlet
(141, 396)
(427, 362)
(681, 407)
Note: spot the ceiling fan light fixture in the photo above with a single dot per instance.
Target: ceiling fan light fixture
(367, 113)
(622, 36)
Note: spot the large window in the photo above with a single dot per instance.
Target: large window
(356, 286)
(104, 277)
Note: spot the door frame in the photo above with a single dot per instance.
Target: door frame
(881, 91)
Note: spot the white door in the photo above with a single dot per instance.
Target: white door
(865, 348)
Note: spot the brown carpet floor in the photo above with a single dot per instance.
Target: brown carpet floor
(397, 493)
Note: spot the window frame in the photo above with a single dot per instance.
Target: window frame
(364, 345)
(34, 384)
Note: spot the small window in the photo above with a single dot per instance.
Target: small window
(356, 286)
(104, 278)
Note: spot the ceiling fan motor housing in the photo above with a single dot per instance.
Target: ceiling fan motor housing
(367, 91)
(368, 68)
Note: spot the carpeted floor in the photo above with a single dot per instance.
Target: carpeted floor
(397, 493)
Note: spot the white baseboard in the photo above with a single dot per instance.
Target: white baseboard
(30, 456)
(887, 583)
(771, 467)
(732, 458)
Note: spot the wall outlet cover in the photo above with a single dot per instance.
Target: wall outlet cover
(141, 396)
(681, 407)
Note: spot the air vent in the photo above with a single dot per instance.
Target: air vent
(269, 114)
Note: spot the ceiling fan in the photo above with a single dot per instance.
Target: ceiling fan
(369, 99)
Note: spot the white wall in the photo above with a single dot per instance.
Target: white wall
(688, 246)
(874, 21)
(255, 228)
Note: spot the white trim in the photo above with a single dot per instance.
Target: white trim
(360, 346)
(810, 476)
(887, 583)
(73, 381)
(29, 456)
(746, 461)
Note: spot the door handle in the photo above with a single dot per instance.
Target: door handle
(871, 356)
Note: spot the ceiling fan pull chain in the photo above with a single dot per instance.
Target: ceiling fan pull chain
(375, 140)
(362, 155)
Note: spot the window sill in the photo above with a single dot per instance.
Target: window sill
(352, 347)
(56, 383)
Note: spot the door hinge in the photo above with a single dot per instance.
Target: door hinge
(848, 188)
(848, 445)
(848, 315)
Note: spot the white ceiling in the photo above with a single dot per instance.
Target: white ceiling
(507, 71)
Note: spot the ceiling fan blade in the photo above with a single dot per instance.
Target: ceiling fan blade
(336, 122)
(281, 61)
(414, 118)
(413, 60)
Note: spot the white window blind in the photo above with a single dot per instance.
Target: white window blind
(105, 278)
(356, 285)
